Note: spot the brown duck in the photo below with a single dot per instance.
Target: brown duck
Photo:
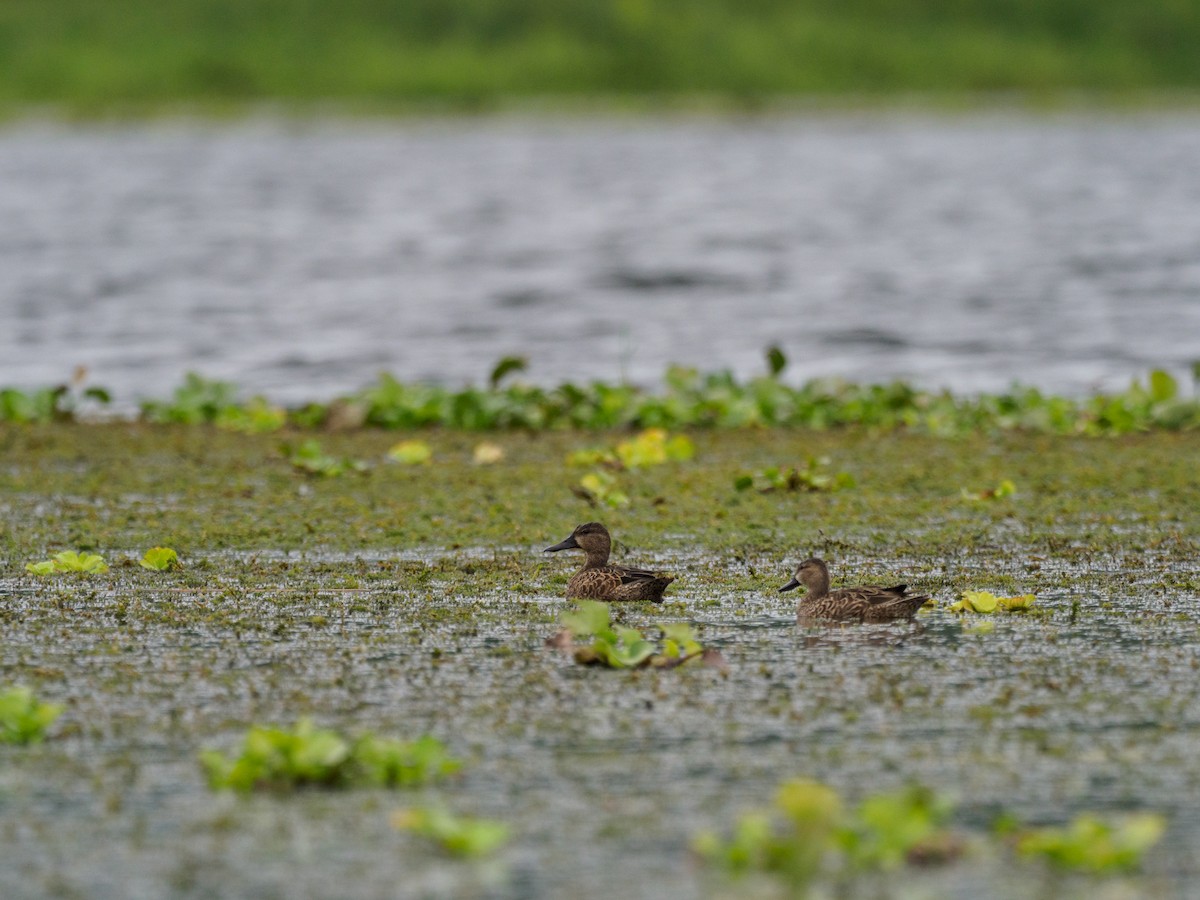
(598, 579)
(867, 603)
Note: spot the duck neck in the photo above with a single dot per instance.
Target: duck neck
(596, 557)
(817, 583)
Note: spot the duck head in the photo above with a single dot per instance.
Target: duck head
(813, 574)
(590, 537)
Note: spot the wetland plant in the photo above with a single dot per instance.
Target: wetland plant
(160, 559)
(410, 453)
(627, 648)
(23, 719)
(69, 561)
(652, 447)
(809, 833)
(601, 488)
(986, 603)
(457, 835)
(1091, 844)
(309, 458)
(691, 399)
(815, 476)
(278, 759)
(206, 401)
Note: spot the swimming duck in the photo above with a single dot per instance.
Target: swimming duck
(598, 580)
(867, 603)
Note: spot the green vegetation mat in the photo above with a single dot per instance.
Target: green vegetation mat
(137, 55)
(403, 598)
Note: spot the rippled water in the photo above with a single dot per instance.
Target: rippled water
(300, 260)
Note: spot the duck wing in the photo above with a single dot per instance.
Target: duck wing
(629, 575)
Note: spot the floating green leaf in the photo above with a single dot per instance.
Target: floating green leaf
(590, 617)
(975, 601)
(159, 559)
(457, 835)
(602, 487)
(309, 458)
(279, 759)
(1019, 603)
(814, 476)
(24, 719)
(69, 561)
(411, 453)
(1091, 844)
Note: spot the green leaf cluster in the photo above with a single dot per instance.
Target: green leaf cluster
(626, 648)
(160, 559)
(23, 719)
(279, 759)
(690, 400)
(602, 489)
(309, 458)
(814, 476)
(986, 602)
(69, 561)
(1091, 844)
(411, 453)
(457, 835)
(809, 832)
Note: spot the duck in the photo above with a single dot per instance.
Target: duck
(865, 603)
(601, 580)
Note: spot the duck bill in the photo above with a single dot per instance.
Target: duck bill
(569, 544)
(790, 586)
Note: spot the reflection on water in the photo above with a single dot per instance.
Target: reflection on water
(301, 260)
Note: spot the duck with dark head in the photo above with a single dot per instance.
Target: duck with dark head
(865, 603)
(601, 580)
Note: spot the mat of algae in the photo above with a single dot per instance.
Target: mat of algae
(413, 599)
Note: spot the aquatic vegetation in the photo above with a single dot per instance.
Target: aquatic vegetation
(1005, 488)
(808, 833)
(309, 458)
(689, 400)
(1091, 844)
(160, 559)
(197, 401)
(411, 453)
(601, 489)
(1019, 603)
(24, 719)
(813, 477)
(457, 835)
(391, 763)
(986, 602)
(60, 403)
(278, 759)
(69, 561)
(627, 648)
(255, 416)
(651, 447)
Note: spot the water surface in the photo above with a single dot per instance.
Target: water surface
(302, 259)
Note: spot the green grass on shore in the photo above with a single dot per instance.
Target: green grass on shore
(135, 55)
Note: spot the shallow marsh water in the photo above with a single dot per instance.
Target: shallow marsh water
(300, 259)
(364, 602)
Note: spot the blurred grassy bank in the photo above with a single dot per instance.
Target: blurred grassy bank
(131, 55)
